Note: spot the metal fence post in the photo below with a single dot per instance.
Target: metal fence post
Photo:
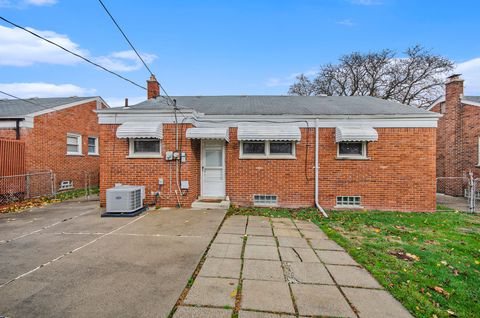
(27, 185)
(52, 186)
(471, 184)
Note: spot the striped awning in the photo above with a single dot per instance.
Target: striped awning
(355, 133)
(280, 133)
(140, 130)
(208, 133)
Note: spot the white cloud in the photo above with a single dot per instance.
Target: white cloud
(120, 102)
(28, 90)
(346, 22)
(19, 48)
(19, 4)
(470, 71)
(288, 80)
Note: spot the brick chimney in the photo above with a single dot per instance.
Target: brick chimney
(153, 88)
(453, 119)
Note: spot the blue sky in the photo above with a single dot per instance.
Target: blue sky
(219, 47)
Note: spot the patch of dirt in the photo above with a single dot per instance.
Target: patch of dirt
(469, 230)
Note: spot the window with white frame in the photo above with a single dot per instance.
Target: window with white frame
(348, 201)
(74, 144)
(267, 149)
(265, 199)
(145, 148)
(352, 150)
(92, 145)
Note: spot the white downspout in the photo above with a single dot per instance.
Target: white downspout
(316, 171)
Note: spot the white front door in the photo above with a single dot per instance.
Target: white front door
(213, 168)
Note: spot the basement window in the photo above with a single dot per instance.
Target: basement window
(264, 200)
(348, 202)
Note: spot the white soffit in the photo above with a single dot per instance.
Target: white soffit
(208, 133)
(355, 133)
(140, 130)
(280, 133)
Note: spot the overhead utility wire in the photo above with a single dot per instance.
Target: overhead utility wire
(25, 100)
(170, 101)
(125, 36)
(73, 53)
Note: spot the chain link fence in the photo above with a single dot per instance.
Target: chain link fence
(22, 187)
(456, 193)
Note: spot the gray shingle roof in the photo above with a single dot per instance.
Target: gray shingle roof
(475, 99)
(19, 108)
(290, 105)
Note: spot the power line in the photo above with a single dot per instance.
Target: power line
(25, 100)
(73, 53)
(125, 36)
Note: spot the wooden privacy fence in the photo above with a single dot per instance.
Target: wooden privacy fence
(12, 157)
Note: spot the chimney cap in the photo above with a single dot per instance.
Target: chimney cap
(454, 76)
(153, 78)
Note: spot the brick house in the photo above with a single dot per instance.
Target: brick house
(458, 137)
(289, 151)
(60, 134)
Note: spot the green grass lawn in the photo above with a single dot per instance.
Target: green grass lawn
(429, 261)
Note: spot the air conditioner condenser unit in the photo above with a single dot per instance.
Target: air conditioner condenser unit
(124, 199)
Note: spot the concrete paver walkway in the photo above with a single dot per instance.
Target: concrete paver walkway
(276, 268)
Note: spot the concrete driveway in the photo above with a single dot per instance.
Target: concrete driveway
(64, 260)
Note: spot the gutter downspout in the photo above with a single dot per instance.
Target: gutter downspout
(316, 171)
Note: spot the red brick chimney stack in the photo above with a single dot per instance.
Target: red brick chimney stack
(153, 88)
(454, 89)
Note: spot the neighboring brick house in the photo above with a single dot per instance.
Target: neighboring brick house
(262, 150)
(60, 134)
(458, 136)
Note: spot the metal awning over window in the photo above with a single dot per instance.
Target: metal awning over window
(280, 133)
(208, 133)
(355, 133)
(140, 130)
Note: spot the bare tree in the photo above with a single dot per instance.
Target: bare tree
(415, 79)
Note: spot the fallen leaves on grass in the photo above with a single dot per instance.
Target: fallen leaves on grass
(405, 256)
(441, 291)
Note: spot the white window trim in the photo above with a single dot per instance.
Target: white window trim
(79, 139)
(132, 154)
(267, 154)
(96, 153)
(363, 156)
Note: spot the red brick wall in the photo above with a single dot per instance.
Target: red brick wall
(46, 144)
(400, 174)
(457, 140)
(115, 167)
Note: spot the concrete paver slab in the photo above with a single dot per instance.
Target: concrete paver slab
(281, 220)
(259, 231)
(208, 291)
(286, 232)
(320, 300)
(266, 296)
(310, 273)
(263, 270)
(229, 239)
(297, 254)
(232, 230)
(261, 240)
(256, 314)
(288, 241)
(336, 257)
(261, 252)
(202, 312)
(324, 244)
(373, 303)
(352, 276)
(314, 234)
(221, 267)
(306, 225)
(282, 225)
(225, 250)
(258, 218)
